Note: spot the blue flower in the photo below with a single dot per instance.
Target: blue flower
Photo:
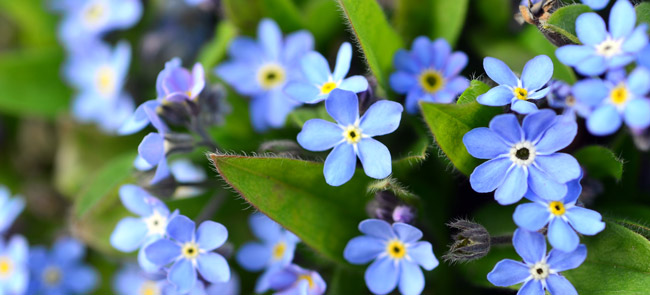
(184, 171)
(512, 90)
(351, 136)
(10, 208)
(231, 287)
(615, 100)
(14, 271)
(189, 251)
(131, 280)
(273, 252)
(564, 218)
(153, 150)
(644, 57)
(428, 72)
(397, 254)
(61, 270)
(320, 81)
(133, 233)
(539, 271)
(261, 68)
(596, 4)
(295, 280)
(523, 158)
(603, 50)
(561, 97)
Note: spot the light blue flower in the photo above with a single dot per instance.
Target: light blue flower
(184, 171)
(189, 250)
(351, 136)
(10, 208)
(429, 72)
(523, 157)
(133, 233)
(644, 57)
(512, 90)
(561, 97)
(602, 49)
(61, 270)
(596, 4)
(261, 68)
(295, 280)
(131, 280)
(231, 287)
(538, 272)
(14, 271)
(564, 218)
(397, 253)
(616, 99)
(274, 251)
(320, 81)
(153, 150)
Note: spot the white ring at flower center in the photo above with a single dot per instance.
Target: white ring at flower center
(610, 47)
(532, 152)
(540, 270)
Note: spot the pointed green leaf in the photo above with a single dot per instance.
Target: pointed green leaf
(600, 162)
(563, 20)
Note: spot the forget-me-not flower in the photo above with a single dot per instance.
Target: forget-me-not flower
(274, 251)
(564, 218)
(61, 270)
(131, 280)
(153, 150)
(604, 50)
(429, 72)
(644, 57)
(10, 208)
(523, 157)
(561, 97)
(261, 68)
(184, 171)
(539, 272)
(351, 136)
(189, 251)
(398, 255)
(320, 81)
(295, 280)
(231, 287)
(616, 99)
(14, 271)
(512, 90)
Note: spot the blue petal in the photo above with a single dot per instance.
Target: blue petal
(573, 54)
(198, 80)
(319, 135)
(507, 273)
(596, 4)
(422, 254)
(343, 59)
(557, 136)
(590, 91)
(144, 263)
(535, 124)
(513, 187)
(585, 221)
(253, 256)
(264, 228)
(637, 113)
(377, 228)
(162, 252)
(638, 82)
(561, 236)
(616, 62)
(422, 50)
(457, 85)
(340, 165)
(441, 52)
(497, 96)
(151, 149)
(279, 107)
(270, 38)
(139, 119)
(404, 62)
(531, 216)
(541, 93)
(134, 198)
(183, 275)
(574, 189)
(381, 118)
(125, 14)
(622, 19)
(483, 143)
(129, 234)
(381, 276)
(304, 92)
(241, 76)
(605, 120)
(297, 44)
(637, 40)
(411, 281)
(162, 171)
(592, 66)
(67, 250)
(530, 245)
(561, 167)
(245, 49)
(210, 235)
(181, 229)
(412, 99)
(259, 107)
(489, 175)
(375, 158)
(523, 107)
(499, 72)
(456, 62)
(315, 68)
(561, 261)
(537, 72)
(343, 106)
(213, 267)
(18, 249)
(590, 28)
(406, 232)
(355, 84)
(558, 284)
(508, 128)
(81, 279)
(402, 82)
(532, 287)
(363, 249)
(544, 185)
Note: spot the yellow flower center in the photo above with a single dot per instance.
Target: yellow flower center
(308, 279)
(105, 79)
(557, 208)
(396, 249)
(270, 76)
(431, 81)
(279, 249)
(352, 134)
(619, 95)
(328, 87)
(521, 93)
(149, 288)
(190, 250)
(52, 275)
(94, 13)
(6, 266)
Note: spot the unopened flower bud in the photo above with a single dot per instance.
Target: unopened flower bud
(471, 241)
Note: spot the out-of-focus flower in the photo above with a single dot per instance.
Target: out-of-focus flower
(604, 50)
(644, 57)
(14, 271)
(295, 280)
(261, 68)
(429, 72)
(512, 90)
(523, 157)
(154, 149)
(10, 208)
(131, 280)
(561, 97)
(61, 270)
(351, 136)
(231, 287)
(185, 172)
(397, 253)
(189, 251)
(596, 4)
(320, 81)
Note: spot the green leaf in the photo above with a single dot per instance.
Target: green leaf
(346, 281)
(600, 162)
(377, 38)
(643, 13)
(449, 123)
(294, 194)
(475, 89)
(215, 50)
(284, 12)
(36, 25)
(301, 115)
(412, 18)
(245, 14)
(323, 19)
(535, 42)
(563, 20)
(448, 18)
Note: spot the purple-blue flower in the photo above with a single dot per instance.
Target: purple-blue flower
(261, 68)
(398, 255)
(644, 57)
(131, 280)
(14, 271)
(538, 272)
(596, 4)
(616, 99)
(429, 72)
(564, 218)
(184, 171)
(320, 81)
(190, 250)
(561, 97)
(604, 50)
(512, 90)
(351, 136)
(274, 251)
(231, 287)
(153, 150)
(295, 280)
(523, 157)
(10, 208)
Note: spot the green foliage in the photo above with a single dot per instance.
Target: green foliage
(600, 162)
(563, 20)
(285, 13)
(643, 13)
(215, 51)
(448, 18)
(294, 194)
